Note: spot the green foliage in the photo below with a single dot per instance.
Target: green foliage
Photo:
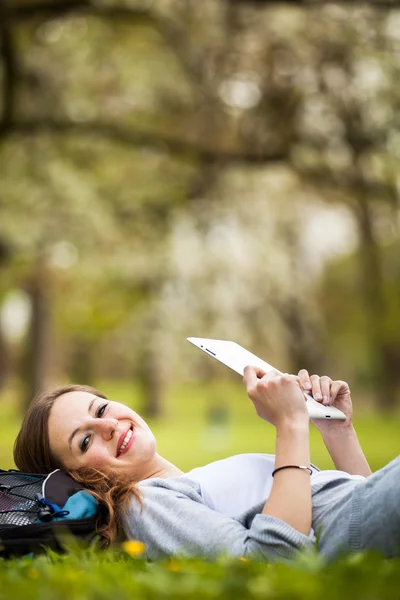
(143, 154)
(115, 574)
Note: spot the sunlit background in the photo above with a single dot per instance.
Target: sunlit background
(220, 168)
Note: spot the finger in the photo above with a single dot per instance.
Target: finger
(250, 380)
(292, 381)
(316, 387)
(282, 380)
(272, 373)
(338, 387)
(251, 374)
(325, 383)
(305, 379)
(288, 378)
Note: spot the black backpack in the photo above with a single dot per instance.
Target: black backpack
(35, 511)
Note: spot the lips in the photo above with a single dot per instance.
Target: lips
(122, 439)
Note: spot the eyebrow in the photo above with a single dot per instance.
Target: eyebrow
(71, 437)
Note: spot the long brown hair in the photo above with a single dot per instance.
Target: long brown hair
(32, 454)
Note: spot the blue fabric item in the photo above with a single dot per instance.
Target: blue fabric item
(53, 506)
(80, 505)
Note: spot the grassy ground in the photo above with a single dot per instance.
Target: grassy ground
(188, 437)
(117, 575)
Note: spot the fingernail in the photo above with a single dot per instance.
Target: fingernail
(325, 399)
(308, 385)
(317, 396)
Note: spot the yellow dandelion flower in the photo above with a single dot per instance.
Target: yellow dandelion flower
(244, 559)
(174, 566)
(133, 547)
(33, 573)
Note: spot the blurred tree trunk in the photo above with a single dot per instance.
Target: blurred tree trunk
(9, 75)
(389, 391)
(81, 366)
(302, 340)
(386, 356)
(149, 378)
(9, 78)
(304, 349)
(3, 360)
(36, 360)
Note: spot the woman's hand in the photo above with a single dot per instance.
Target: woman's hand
(277, 397)
(339, 437)
(329, 393)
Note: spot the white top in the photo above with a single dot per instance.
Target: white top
(232, 485)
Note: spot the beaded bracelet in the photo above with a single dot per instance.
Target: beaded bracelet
(292, 467)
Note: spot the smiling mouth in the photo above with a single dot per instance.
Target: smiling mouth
(126, 441)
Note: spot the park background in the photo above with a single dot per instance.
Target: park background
(221, 168)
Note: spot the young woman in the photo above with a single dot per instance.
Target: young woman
(260, 505)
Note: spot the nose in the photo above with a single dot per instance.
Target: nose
(105, 427)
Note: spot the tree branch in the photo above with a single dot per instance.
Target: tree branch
(157, 141)
(323, 178)
(20, 11)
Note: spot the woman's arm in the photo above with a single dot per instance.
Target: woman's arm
(345, 451)
(290, 497)
(339, 437)
(279, 400)
(175, 521)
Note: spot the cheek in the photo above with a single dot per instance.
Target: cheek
(138, 419)
(97, 457)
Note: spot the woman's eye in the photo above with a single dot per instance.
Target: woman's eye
(85, 443)
(101, 410)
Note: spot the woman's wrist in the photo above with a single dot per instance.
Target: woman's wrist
(346, 452)
(294, 424)
(339, 431)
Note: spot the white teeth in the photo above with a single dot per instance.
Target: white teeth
(126, 440)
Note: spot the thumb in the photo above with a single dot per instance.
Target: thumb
(339, 388)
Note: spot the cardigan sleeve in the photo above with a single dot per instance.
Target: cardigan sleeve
(176, 521)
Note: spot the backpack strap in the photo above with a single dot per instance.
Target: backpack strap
(58, 487)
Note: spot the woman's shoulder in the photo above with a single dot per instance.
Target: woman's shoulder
(180, 484)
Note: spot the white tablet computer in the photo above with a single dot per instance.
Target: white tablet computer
(237, 358)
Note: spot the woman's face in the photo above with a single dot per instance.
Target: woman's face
(88, 431)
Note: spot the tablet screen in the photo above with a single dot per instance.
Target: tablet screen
(231, 354)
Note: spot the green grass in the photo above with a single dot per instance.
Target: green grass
(115, 575)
